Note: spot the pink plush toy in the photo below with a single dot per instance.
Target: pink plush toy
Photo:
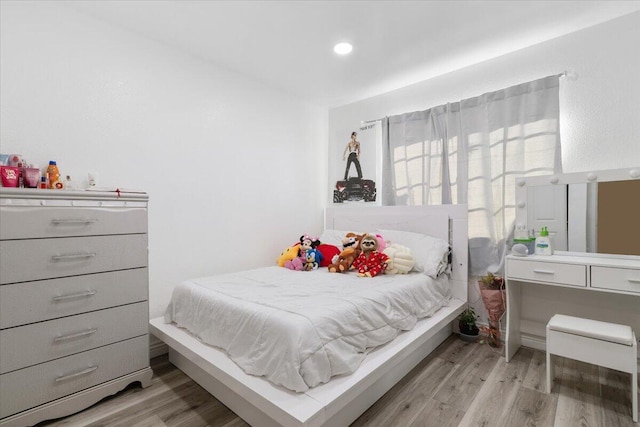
(295, 264)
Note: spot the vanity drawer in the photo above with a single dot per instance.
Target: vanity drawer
(36, 259)
(69, 221)
(621, 279)
(40, 342)
(22, 303)
(29, 387)
(564, 274)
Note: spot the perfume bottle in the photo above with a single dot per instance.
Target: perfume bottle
(68, 184)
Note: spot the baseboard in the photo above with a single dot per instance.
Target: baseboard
(157, 347)
(537, 343)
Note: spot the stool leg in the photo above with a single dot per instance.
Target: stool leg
(634, 397)
(550, 374)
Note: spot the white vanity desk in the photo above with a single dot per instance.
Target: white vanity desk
(593, 273)
(582, 282)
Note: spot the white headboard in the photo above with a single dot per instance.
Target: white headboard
(447, 222)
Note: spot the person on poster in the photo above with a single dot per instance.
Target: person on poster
(353, 148)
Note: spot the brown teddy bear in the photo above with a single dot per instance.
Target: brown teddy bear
(350, 251)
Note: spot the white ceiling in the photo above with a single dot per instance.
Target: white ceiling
(288, 44)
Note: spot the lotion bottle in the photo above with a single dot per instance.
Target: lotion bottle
(53, 174)
(543, 243)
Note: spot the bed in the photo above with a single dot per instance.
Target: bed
(344, 397)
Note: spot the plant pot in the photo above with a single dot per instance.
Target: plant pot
(469, 338)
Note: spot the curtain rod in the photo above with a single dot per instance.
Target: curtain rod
(570, 74)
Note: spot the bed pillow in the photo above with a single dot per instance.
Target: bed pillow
(431, 253)
(334, 237)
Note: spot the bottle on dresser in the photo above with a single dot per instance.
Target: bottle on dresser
(543, 243)
(54, 176)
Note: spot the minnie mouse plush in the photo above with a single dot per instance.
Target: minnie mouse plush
(306, 245)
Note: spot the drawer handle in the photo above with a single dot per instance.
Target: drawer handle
(72, 221)
(72, 257)
(76, 335)
(84, 294)
(544, 271)
(634, 280)
(77, 374)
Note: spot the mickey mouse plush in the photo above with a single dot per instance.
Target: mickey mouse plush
(370, 262)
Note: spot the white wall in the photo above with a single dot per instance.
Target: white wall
(600, 111)
(234, 169)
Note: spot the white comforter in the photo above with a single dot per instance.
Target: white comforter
(300, 328)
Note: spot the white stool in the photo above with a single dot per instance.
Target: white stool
(606, 344)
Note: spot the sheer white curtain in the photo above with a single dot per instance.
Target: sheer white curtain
(470, 152)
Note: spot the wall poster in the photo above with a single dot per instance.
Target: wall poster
(357, 160)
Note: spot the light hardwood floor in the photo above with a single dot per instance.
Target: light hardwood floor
(459, 384)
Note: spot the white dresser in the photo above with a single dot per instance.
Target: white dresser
(73, 300)
(585, 284)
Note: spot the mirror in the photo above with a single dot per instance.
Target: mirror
(584, 212)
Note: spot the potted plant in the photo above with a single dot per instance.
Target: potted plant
(469, 331)
(495, 301)
(492, 281)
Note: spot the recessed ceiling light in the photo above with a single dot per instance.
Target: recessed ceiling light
(343, 48)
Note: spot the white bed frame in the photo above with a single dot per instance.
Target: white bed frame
(343, 399)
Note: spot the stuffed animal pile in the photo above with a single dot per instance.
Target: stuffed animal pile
(306, 255)
(369, 254)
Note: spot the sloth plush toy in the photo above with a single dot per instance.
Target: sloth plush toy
(370, 262)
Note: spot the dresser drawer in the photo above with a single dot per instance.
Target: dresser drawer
(24, 260)
(40, 342)
(621, 279)
(27, 222)
(564, 274)
(22, 303)
(29, 387)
